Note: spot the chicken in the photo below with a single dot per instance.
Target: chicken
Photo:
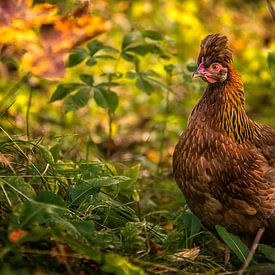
(224, 162)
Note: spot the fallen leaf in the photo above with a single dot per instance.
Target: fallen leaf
(187, 253)
(16, 235)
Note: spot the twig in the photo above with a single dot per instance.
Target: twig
(271, 9)
(252, 251)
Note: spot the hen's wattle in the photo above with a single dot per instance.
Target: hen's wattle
(224, 162)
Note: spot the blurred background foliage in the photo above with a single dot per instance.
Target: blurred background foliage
(145, 126)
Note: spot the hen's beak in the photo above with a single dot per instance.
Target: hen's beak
(198, 73)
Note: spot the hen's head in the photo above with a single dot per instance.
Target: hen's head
(214, 58)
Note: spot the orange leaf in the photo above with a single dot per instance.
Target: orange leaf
(17, 235)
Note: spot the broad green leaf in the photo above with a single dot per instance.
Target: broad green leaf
(127, 187)
(76, 57)
(106, 99)
(268, 251)
(106, 181)
(106, 84)
(87, 79)
(46, 154)
(90, 170)
(17, 189)
(63, 90)
(86, 188)
(91, 62)
(169, 68)
(233, 242)
(130, 38)
(130, 57)
(85, 227)
(118, 265)
(95, 46)
(104, 56)
(144, 85)
(154, 35)
(51, 198)
(77, 100)
(40, 213)
(143, 49)
(110, 49)
(159, 83)
(193, 224)
(81, 191)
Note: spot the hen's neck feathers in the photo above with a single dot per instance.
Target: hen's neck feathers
(222, 107)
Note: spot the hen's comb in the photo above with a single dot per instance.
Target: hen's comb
(214, 48)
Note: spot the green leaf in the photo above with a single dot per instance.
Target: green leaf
(144, 85)
(95, 46)
(268, 251)
(192, 222)
(106, 98)
(107, 181)
(160, 84)
(63, 90)
(81, 191)
(118, 265)
(46, 154)
(127, 187)
(233, 242)
(40, 212)
(130, 57)
(76, 57)
(143, 49)
(130, 38)
(17, 189)
(91, 62)
(87, 79)
(104, 56)
(51, 198)
(77, 100)
(87, 188)
(154, 35)
(169, 68)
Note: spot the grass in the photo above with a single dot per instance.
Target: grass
(70, 217)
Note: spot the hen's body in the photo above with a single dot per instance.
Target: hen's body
(225, 163)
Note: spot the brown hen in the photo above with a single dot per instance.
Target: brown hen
(224, 162)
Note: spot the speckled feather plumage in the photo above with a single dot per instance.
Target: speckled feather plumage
(224, 162)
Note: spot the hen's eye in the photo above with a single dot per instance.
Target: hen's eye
(214, 66)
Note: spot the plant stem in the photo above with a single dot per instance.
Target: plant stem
(28, 114)
(110, 121)
(252, 251)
